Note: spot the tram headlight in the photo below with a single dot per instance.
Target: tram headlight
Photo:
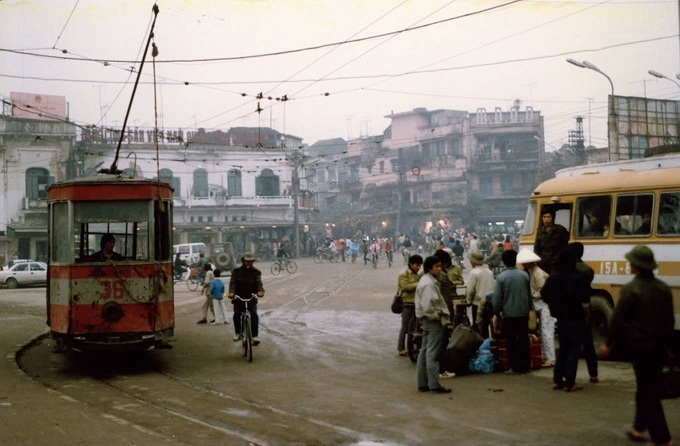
(112, 312)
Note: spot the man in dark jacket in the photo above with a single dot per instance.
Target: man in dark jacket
(642, 327)
(512, 298)
(550, 240)
(245, 281)
(565, 292)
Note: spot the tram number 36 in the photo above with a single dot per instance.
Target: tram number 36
(112, 289)
(614, 268)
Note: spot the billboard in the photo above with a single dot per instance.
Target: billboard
(642, 123)
(38, 106)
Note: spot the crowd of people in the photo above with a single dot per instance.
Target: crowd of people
(553, 281)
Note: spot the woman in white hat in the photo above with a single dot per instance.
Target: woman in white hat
(529, 262)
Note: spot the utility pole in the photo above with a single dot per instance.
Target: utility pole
(400, 187)
(296, 159)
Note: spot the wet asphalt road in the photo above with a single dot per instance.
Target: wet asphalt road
(326, 373)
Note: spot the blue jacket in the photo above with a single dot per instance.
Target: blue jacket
(217, 289)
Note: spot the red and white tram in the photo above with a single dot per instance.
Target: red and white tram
(97, 300)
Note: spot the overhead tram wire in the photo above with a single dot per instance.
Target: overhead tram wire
(65, 24)
(359, 77)
(277, 53)
(494, 42)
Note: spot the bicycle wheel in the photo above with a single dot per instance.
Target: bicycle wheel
(248, 339)
(291, 267)
(318, 258)
(276, 268)
(413, 340)
(192, 283)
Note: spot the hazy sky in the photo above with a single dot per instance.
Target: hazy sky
(462, 58)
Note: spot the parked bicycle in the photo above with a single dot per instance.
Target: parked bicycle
(283, 263)
(246, 334)
(414, 338)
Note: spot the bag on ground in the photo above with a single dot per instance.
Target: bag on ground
(462, 347)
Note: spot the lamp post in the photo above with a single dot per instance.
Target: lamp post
(661, 76)
(612, 127)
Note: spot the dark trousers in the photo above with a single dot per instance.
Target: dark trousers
(239, 308)
(569, 334)
(589, 350)
(517, 336)
(649, 413)
(446, 335)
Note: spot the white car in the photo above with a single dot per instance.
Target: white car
(24, 274)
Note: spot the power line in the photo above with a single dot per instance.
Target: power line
(277, 53)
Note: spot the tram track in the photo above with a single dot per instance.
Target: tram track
(171, 403)
(141, 396)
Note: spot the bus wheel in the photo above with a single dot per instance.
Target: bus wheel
(601, 313)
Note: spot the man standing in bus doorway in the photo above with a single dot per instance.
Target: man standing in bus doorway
(245, 281)
(642, 327)
(550, 240)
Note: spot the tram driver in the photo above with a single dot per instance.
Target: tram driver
(107, 243)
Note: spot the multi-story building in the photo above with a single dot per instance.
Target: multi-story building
(440, 168)
(242, 193)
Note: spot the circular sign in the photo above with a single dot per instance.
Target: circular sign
(415, 170)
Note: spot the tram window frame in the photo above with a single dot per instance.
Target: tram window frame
(128, 221)
(628, 217)
(60, 251)
(668, 217)
(593, 214)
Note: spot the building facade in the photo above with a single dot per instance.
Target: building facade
(241, 193)
(435, 169)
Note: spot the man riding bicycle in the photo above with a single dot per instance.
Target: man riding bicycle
(245, 281)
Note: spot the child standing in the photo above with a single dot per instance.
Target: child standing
(217, 294)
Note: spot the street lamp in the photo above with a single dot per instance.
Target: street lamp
(661, 76)
(612, 127)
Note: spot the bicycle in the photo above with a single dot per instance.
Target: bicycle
(414, 338)
(283, 263)
(246, 334)
(193, 280)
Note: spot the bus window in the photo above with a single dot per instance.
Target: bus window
(669, 214)
(633, 215)
(592, 216)
(530, 219)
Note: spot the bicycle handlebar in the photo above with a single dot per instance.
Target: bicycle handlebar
(252, 296)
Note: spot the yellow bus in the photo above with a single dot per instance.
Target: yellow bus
(610, 208)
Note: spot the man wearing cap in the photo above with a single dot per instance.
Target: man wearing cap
(642, 327)
(245, 281)
(480, 283)
(550, 240)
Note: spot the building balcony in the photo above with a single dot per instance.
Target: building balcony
(258, 201)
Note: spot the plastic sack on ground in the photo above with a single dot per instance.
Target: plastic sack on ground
(482, 362)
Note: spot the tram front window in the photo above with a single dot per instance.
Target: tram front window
(126, 224)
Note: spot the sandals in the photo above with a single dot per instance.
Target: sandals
(635, 436)
(574, 388)
(403, 352)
